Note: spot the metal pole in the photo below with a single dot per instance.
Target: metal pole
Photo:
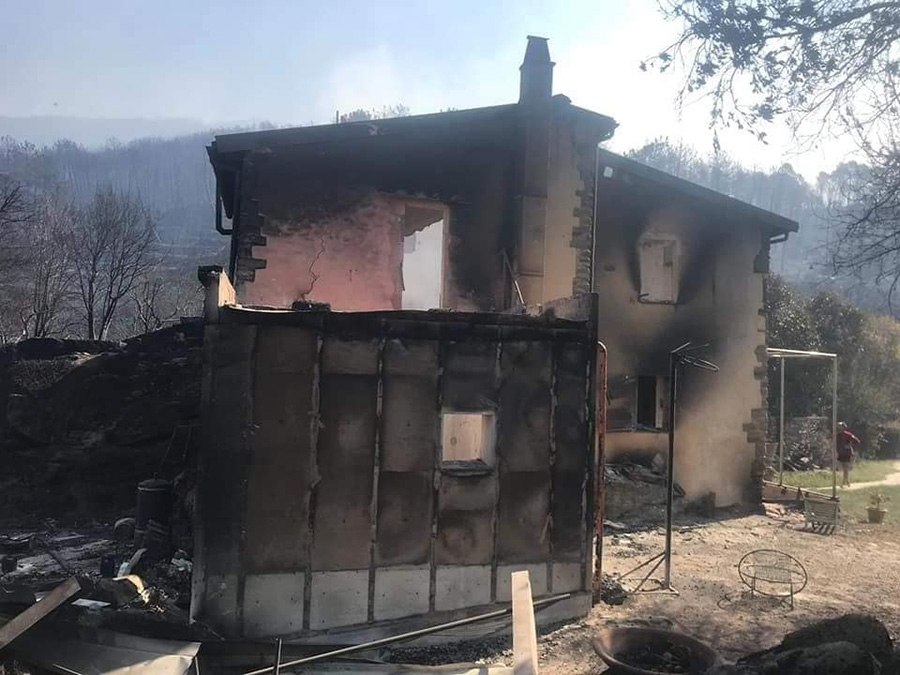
(648, 575)
(834, 435)
(600, 463)
(65, 670)
(642, 565)
(278, 658)
(515, 281)
(781, 427)
(670, 469)
(404, 636)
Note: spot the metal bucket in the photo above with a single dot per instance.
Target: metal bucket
(154, 502)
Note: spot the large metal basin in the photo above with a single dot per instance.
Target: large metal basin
(611, 642)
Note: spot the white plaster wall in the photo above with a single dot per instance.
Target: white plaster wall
(338, 598)
(457, 587)
(567, 577)
(536, 573)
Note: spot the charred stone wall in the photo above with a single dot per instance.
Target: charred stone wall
(323, 221)
(331, 230)
(570, 208)
(721, 417)
(324, 498)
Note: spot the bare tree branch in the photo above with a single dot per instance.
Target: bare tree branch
(112, 242)
(160, 300)
(806, 60)
(16, 212)
(50, 270)
(823, 66)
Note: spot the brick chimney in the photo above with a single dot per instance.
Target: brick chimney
(536, 72)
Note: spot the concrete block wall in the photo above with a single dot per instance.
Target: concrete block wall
(339, 510)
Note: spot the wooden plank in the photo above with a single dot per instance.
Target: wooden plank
(525, 661)
(21, 623)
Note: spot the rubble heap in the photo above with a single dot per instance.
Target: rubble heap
(82, 422)
(854, 644)
(635, 491)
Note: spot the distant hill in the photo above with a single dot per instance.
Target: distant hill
(93, 132)
(172, 176)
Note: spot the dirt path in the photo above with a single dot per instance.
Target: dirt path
(890, 479)
(853, 570)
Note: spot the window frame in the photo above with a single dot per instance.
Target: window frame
(628, 391)
(660, 396)
(670, 246)
(486, 462)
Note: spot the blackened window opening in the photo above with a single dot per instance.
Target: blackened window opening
(646, 401)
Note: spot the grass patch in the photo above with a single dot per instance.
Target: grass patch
(865, 471)
(854, 503)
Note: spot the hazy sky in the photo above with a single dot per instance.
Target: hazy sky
(293, 61)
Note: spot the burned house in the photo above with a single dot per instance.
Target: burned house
(388, 431)
(676, 262)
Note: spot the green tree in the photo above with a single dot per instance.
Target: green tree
(790, 325)
(868, 350)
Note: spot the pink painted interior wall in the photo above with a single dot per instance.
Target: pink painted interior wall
(351, 260)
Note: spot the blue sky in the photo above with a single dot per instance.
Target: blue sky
(295, 62)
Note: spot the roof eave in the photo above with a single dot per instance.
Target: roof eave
(604, 123)
(258, 140)
(772, 221)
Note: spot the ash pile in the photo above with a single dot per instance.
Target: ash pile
(636, 490)
(81, 422)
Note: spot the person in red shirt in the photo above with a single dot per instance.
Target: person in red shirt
(846, 451)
